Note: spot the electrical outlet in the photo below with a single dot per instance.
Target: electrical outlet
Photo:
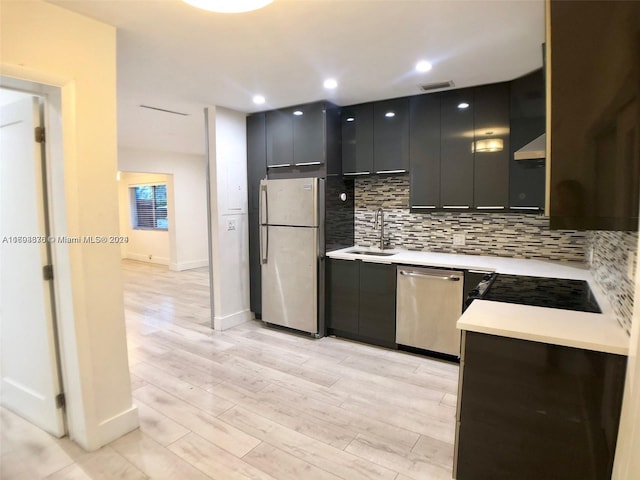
(459, 239)
(592, 252)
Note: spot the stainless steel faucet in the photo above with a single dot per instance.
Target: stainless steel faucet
(380, 214)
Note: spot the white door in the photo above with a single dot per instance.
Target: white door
(29, 368)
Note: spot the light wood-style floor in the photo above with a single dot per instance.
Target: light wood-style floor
(252, 402)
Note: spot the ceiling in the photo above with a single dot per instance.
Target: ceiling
(176, 57)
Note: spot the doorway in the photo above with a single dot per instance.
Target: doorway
(30, 371)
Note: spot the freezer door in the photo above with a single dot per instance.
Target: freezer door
(289, 202)
(290, 278)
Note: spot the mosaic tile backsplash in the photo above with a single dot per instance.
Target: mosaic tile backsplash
(612, 253)
(504, 235)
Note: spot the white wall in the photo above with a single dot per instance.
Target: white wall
(44, 43)
(144, 245)
(188, 236)
(229, 221)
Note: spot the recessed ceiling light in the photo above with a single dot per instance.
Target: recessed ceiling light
(463, 105)
(390, 114)
(258, 99)
(350, 119)
(330, 83)
(297, 113)
(228, 6)
(423, 66)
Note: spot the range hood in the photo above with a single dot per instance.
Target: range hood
(533, 150)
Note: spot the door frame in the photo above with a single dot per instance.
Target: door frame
(76, 426)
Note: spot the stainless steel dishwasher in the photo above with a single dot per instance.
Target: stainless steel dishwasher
(429, 302)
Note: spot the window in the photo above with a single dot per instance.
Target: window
(149, 207)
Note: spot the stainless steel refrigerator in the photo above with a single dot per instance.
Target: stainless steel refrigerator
(291, 246)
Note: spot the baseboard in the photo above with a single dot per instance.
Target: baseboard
(229, 321)
(112, 429)
(141, 257)
(178, 267)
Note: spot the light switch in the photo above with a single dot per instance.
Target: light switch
(231, 225)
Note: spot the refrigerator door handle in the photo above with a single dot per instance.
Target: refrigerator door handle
(264, 244)
(264, 205)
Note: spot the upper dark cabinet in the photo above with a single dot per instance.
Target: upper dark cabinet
(491, 147)
(424, 151)
(527, 178)
(595, 114)
(391, 136)
(303, 140)
(279, 133)
(456, 143)
(357, 139)
(308, 134)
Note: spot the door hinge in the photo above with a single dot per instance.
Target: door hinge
(39, 132)
(47, 272)
(60, 401)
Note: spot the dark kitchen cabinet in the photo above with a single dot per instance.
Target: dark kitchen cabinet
(343, 295)
(308, 134)
(456, 154)
(527, 178)
(303, 141)
(594, 78)
(255, 268)
(256, 171)
(530, 410)
(424, 151)
(377, 319)
(361, 301)
(491, 147)
(357, 139)
(279, 136)
(391, 136)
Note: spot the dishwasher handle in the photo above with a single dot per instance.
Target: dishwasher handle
(448, 278)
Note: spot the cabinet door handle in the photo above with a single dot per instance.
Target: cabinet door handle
(456, 206)
(490, 208)
(423, 206)
(357, 173)
(391, 171)
(304, 164)
(280, 165)
(525, 208)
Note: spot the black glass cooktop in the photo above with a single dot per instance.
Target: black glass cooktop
(543, 292)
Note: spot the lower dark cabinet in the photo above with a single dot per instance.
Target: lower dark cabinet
(530, 410)
(361, 301)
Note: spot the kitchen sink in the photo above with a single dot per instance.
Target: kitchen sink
(375, 254)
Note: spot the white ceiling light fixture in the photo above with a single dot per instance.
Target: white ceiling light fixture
(258, 99)
(423, 66)
(330, 83)
(228, 6)
(297, 113)
(463, 105)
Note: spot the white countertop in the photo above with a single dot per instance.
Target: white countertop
(593, 331)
